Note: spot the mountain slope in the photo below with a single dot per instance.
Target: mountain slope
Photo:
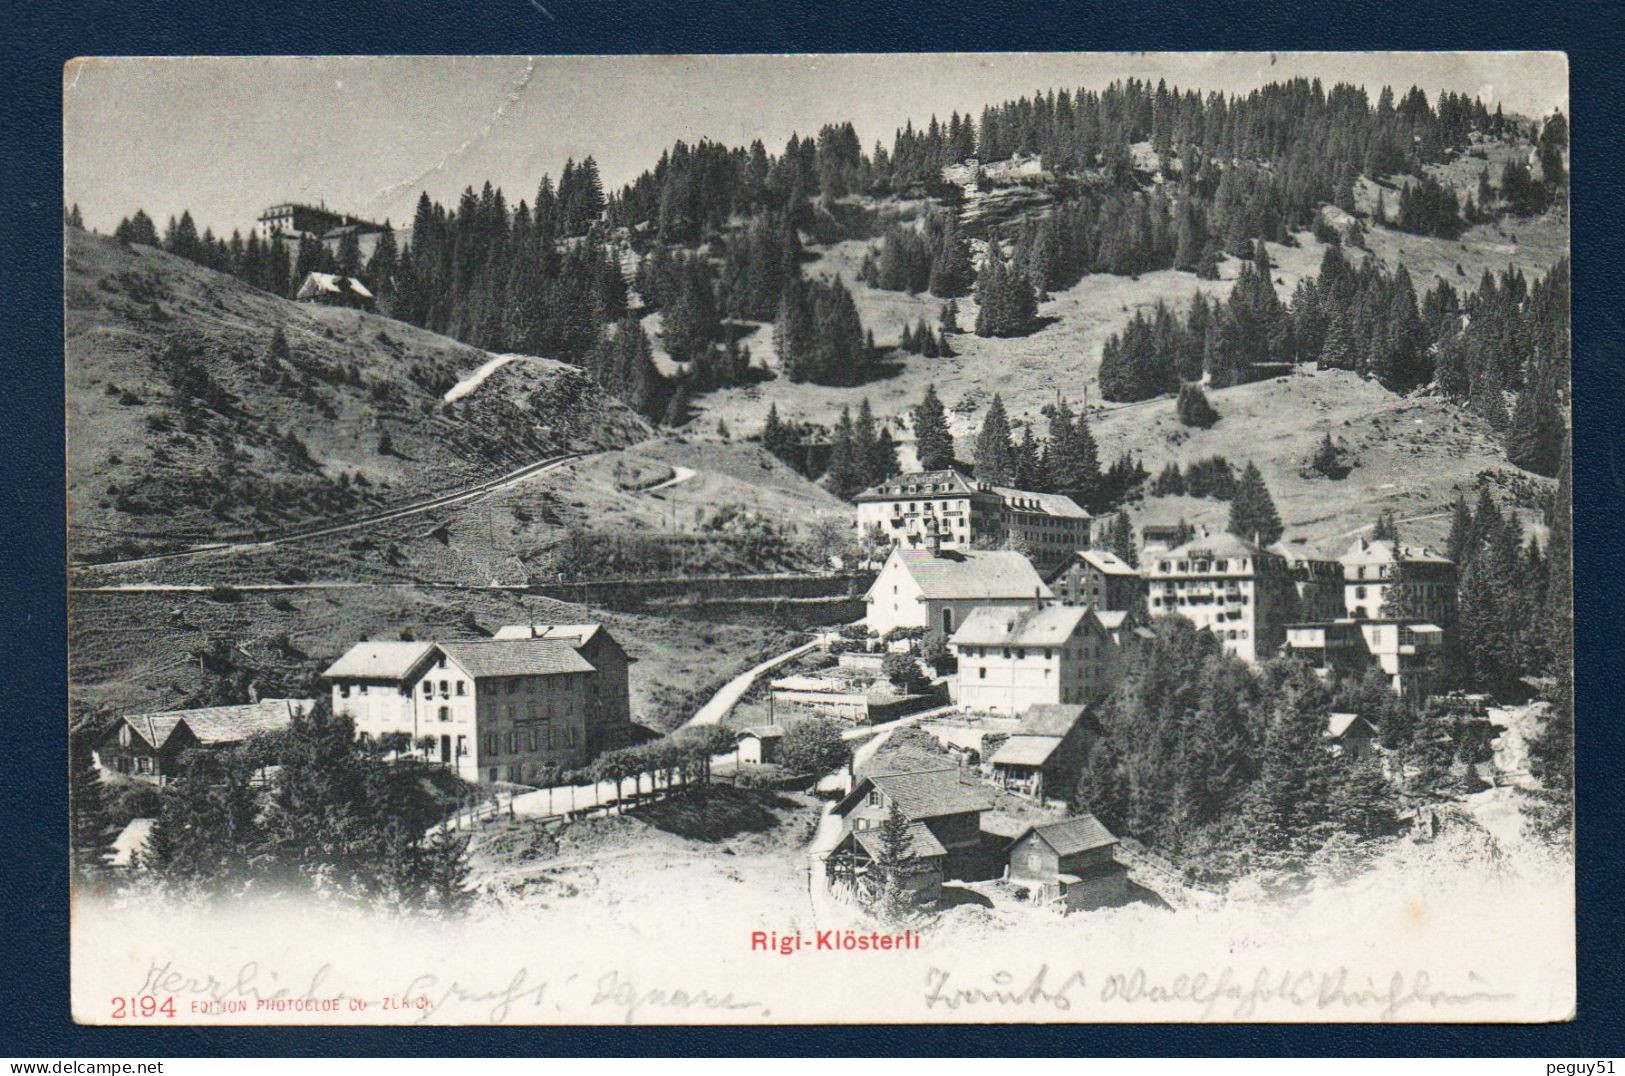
(186, 421)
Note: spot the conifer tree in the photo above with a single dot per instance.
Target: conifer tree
(933, 444)
(1252, 510)
(994, 453)
(92, 833)
(1120, 540)
(894, 864)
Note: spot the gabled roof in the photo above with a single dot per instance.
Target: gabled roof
(761, 732)
(1365, 551)
(217, 724)
(972, 573)
(1053, 625)
(1106, 562)
(1051, 719)
(921, 841)
(577, 635)
(331, 284)
(1021, 750)
(371, 660)
(923, 795)
(905, 758)
(1338, 725)
(922, 484)
(1080, 833)
(1111, 619)
(1223, 544)
(516, 657)
(1054, 504)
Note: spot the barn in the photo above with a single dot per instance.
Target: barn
(1071, 863)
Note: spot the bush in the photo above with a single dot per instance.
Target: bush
(899, 668)
(813, 746)
(224, 592)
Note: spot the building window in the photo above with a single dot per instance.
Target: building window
(445, 713)
(124, 736)
(445, 688)
(981, 673)
(462, 687)
(344, 691)
(533, 739)
(947, 622)
(428, 688)
(874, 797)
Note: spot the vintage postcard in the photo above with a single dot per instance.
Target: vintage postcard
(819, 539)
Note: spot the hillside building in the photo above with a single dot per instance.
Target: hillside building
(149, 746)
(493, 710)
(1317, 584)
(944, 815)
(1045, 754)
(1409, 652)
(1242, 593)
(947, 510)
(291, 222)
(330, 289)
(609, 692)
(1070, 862)
(1371, 570)
(1011, 659)
(919, 588)
(1099, 578)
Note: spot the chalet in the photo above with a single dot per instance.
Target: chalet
(149, 746)
(1350, 735)
(492, 709)
(948, 808)
(918, 588)
(759, 744)
(1098, 578)
(852, 860)
(609, 698)
(1045, 754)
(1070, 863)
(330, 289)
(1013, 659)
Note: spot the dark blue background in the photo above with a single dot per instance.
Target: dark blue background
(33, 963)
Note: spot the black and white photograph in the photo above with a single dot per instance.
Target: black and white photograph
(819, 539)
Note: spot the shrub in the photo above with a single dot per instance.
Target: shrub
(899, 668)
(225, 592)
(813, 746)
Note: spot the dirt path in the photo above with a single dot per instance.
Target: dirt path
(679, 476)
(717, 707)
(477, 378)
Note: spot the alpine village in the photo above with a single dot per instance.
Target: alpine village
(1125, 496)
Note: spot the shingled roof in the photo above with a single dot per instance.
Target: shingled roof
(217, 724)
(1026, 750)
(516, 657)
(577, 635)
(1053, 625)
(1050, 719)
(1080, 833)
(921, 841)
(973, 573)
(373, 660)
(927, 794)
